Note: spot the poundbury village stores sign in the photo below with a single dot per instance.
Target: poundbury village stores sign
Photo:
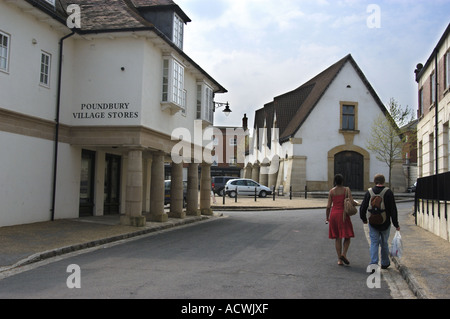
(105, 111)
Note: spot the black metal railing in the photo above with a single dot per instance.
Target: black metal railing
(431, 190)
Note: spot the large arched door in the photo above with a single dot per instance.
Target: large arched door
(351, 166)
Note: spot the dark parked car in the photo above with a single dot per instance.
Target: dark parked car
(167, 192)
(218, 183)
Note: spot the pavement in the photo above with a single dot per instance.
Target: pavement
(424, 264)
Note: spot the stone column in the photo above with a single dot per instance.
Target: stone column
(147, 164)
(205, 190)
(177, 192)
(248, 171)
(264, 174)
(192, 191)
(133, 214)
(255, 172)
(157, 213)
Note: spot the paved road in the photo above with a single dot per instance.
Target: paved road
(244, 255)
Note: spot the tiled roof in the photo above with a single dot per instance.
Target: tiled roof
(293, 108)
(111, 15)
(98, 15)
(148, 3)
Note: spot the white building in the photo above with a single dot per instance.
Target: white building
(433, 136)
(319, 130)
(86, 114)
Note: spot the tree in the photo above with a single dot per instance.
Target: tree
(387, 140)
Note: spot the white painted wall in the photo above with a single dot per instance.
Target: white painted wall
(25, 95)
(320, 133)
(26, 179)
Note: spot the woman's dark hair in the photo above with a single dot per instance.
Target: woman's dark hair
(338, 180)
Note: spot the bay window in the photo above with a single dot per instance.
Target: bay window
(205, 103)
(173, 92)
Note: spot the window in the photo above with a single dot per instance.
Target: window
(4, 51)
(178, 83)
(447, 70)
(44, 78)
(433, 88)
(232, 161)
(420, 103)
(233, 141)
(348, 117)
(178, 30)
(173, 92)
(205, 103)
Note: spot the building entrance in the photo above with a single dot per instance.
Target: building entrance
(351, 166)
(112, 184)
(87, 183)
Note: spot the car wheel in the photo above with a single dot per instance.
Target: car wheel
(220, 193)
(232, 194)
(263, 194)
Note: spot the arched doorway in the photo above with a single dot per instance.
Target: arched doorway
(351, 166)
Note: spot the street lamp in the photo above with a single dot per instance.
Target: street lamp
(227, 110)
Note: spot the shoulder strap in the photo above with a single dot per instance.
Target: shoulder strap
(384, 191)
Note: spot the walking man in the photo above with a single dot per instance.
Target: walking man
(379, 201)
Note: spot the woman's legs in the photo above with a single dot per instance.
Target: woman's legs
(342, 250)
(338, 245)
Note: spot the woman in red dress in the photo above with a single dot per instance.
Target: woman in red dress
(340, 229)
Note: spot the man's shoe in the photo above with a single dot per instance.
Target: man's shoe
(385, 267)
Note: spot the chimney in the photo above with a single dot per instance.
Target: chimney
(245, 122)
(418, 70)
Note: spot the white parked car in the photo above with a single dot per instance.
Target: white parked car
(246, 187)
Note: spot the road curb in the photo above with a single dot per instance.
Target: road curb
(417, 290)
(99, 242)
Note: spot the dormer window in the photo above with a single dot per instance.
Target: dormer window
(178, 31)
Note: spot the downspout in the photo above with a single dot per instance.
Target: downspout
(437, 129)
(58, 106)
(436, 103)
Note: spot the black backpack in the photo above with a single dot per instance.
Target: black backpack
(377, 209)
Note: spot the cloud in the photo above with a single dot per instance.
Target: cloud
(259, 49)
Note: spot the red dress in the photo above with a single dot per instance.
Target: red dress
(338, 227)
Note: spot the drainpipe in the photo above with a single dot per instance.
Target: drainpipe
(58, 106)
(437, 129)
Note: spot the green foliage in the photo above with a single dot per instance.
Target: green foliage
(387, 140)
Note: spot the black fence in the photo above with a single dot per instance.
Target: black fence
(431, 190)
(436, 187)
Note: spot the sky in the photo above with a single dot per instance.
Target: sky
(260, 49)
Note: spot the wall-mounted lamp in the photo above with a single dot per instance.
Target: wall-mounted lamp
(227, 110)
(33, 41)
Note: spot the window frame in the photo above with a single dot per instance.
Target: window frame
(205, 102)
(178, 31)
(354, 116)
(47, 69)
(421, 101)
(433, 88)
(6, 50)
(173, 93)
(447, 70)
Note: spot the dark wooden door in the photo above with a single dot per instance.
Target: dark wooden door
(87, 183)
(112, 184)
(351, 166)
